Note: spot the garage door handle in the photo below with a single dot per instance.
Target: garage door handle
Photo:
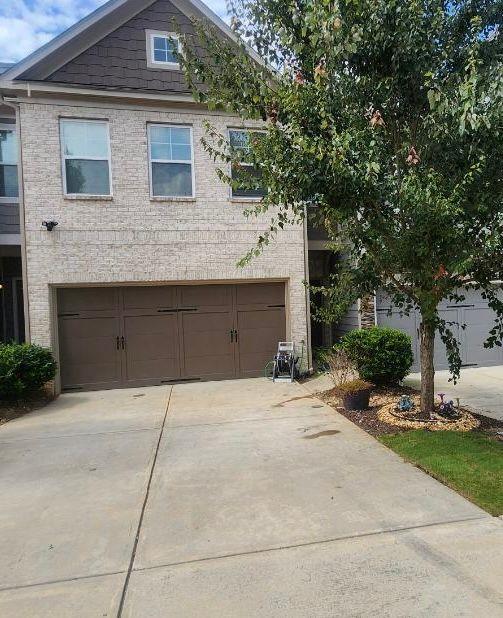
(232, 335)
(118, 343)
(123, 342)
(236, 336)
(189, 309)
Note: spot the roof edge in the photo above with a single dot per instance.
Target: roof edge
(129, 9)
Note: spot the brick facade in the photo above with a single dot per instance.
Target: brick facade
(132, 238)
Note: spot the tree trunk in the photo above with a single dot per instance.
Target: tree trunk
(427, 345)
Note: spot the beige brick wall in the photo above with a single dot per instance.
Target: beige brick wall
(132, 238)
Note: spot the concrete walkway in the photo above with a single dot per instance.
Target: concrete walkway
(229, 499)
(479, 388)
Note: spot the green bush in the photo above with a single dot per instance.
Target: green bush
(24, 368)
(381, 355)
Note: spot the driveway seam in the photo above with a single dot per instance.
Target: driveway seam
(313, 543)
(60, 581)
(142, 514)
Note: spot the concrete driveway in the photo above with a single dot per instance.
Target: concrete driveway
(229, 499)
(479, 388)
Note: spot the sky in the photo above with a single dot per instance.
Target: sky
(25, 25)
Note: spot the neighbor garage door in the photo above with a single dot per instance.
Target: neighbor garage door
(472, 312)
(133, 336)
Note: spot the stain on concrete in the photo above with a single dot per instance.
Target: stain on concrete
(320, 434)
(282, 403)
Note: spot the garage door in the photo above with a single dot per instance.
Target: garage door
(472, 312)
(135, 336)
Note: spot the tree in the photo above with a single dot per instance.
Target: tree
(387, 115)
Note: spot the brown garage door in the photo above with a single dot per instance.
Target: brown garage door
(134, 336)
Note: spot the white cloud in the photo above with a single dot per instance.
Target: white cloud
(25, 25)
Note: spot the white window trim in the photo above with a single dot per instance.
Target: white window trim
(13, 128)
(156, 64)
(65, 157)
(191, 162)
(242, 198)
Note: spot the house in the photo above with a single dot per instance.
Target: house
(119, 232)
(138, 282)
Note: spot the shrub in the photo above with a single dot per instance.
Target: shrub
(339, 366)
(381, 355)
(320, 358)
(353, 386)
(24, 368)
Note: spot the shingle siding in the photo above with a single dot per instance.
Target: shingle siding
(119, 60)
(133, 238)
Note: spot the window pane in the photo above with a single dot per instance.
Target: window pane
(8, 147)
(164, 49)
(160, 134)
(170, 143)
(180, 135)
(171, 179)
(87, 177)
(160, 55)
(161, 43)
(250, 177)
(85, 139)
(8, 181)
(160, 151)
(181, 153)
(240, 140)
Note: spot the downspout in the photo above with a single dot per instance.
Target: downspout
(307, 293)
(22, 219)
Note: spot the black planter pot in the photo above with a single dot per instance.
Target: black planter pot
(356, 401)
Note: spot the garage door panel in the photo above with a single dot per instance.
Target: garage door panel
(440, 357)
(207, 347)
(259, 334)
(76, 300)
(88, 352)
(478, 324)
(261, 294)
(205, 296)
(151, 347)
(149, 297)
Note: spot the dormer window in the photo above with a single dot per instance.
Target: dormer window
(162, 50)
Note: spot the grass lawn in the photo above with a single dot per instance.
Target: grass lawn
(470, 463)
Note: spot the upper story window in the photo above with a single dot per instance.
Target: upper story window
(244, 172)
(85, 148)
(171, 161)
(9, 191)
(162, 50)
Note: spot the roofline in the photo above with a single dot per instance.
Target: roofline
(28, 89)
(106, 9)
(62, 38)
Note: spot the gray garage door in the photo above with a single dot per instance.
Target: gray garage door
(473, 312)
(135, 336)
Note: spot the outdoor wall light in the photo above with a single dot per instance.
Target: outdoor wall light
(50, 225)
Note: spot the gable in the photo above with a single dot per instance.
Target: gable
(119, 60)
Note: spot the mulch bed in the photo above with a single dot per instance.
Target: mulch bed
(10, 410)
(382, 398)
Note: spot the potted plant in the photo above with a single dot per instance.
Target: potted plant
(355, 394)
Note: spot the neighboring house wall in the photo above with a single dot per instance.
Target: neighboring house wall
(119, 60)
(9, 211)
(132, 238)
(9, 218)
(349, 322)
